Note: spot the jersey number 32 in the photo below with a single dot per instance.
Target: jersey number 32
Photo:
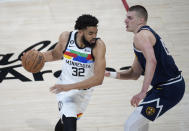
(78, 71)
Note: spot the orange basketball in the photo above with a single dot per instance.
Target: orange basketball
(33, 61)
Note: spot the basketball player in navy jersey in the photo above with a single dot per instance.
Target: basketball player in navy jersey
(160, 71)
(83, 68)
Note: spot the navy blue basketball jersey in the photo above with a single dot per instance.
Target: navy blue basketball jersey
(166, 68)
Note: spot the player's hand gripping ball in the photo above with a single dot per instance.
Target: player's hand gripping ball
(33, 61)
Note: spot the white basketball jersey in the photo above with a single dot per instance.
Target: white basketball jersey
(78, 63)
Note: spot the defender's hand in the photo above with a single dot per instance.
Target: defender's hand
(107, 74)
(137, 98)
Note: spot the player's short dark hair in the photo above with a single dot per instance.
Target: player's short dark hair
(141, 11)
(84, 21)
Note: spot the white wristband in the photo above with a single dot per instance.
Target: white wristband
(113, 74)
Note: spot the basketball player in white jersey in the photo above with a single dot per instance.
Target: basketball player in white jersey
(83, 67)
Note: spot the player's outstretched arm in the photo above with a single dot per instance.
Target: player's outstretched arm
(133, 72)
(56, 53)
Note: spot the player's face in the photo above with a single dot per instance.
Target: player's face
(132, 21)
(89, 34)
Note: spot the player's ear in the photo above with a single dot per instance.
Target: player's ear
(81, 32)
(142, 20)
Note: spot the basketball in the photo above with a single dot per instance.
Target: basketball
(33, 61)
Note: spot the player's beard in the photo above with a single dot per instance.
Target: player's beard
(86, 43)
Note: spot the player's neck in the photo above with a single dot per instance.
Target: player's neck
(80, 41)
(138, 28)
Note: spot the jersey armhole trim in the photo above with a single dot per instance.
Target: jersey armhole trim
(93, 48)
(67, 42)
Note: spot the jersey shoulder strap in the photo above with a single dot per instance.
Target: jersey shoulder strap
(71, 39)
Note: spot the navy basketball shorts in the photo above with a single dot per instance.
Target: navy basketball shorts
(161, 98)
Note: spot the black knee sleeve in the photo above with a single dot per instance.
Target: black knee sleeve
(69, 124)
(59, 126)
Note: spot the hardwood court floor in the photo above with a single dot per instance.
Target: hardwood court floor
(29, 106)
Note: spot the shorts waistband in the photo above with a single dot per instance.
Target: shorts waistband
(172, 81)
